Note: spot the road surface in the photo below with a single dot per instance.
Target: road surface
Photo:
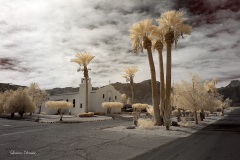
(218, 141)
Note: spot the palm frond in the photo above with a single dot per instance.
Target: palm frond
(173, 20)
(138, 31)
(83, 58)
(130, 71)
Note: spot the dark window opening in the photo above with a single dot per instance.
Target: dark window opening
(103, 96)
(115, 97)
(109, 99)
(67, 100)
(81, 105)
(73, 103)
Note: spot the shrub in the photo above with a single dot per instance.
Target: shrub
(150, 110)
(84, 114)
(19, 101)
(145, 123)
(139, 106)
(99, 113)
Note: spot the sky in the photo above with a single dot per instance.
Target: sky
(39, 38)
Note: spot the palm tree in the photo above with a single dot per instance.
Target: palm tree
(129, 73)
(157, 38)
(171, 23)
(139, 35)
(84, 59)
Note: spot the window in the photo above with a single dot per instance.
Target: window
(115, 97)
(81, 105)
(109, 99)
(103, 96)
(67, 100)
(73, 103)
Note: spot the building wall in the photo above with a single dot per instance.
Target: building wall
(105, 94)
(96, 98)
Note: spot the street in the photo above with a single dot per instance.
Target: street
(40, 141)
(218, 141)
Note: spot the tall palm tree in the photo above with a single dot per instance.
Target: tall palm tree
(129, 73)
(158, 41)
(139, 35)
(84, 59)
(171, 23)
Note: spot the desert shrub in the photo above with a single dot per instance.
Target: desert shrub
(207, 113)
(84, 114)
(139, 106)
(219, 114)
(183, 124)
(19, 101)
(150, 110)
(99, 113)
(219, 109)
(145, 123)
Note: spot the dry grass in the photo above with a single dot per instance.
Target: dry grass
(145, 123)
(84, 114)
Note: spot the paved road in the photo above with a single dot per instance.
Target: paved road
(89, 140)
(218, 141)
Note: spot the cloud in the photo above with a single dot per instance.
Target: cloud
(41, 37)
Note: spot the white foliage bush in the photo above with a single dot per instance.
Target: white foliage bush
(139, 106)
(150, 110)
(18, 101)
(145, 123)
(58, 104)
(89, 114)
(110, 105)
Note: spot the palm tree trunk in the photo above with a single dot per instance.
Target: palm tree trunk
(167, 109)
(155, 96)
(132, 89)
(162, 83)
(60, 114)
(86, 81)
(195, 115)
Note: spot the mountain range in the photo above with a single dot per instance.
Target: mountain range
(142, 90)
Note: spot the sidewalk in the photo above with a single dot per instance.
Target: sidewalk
(70, 119)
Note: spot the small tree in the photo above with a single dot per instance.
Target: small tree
(124, 98)
(19, 101)
(129, 73)
(58, 105)
(110, 105)
(37, 95)
(3, 98)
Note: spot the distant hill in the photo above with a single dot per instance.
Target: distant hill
(9, 86)
(143, 93)
(142, 90)
(232, 91)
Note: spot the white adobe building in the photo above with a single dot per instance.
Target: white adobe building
(104, 94)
